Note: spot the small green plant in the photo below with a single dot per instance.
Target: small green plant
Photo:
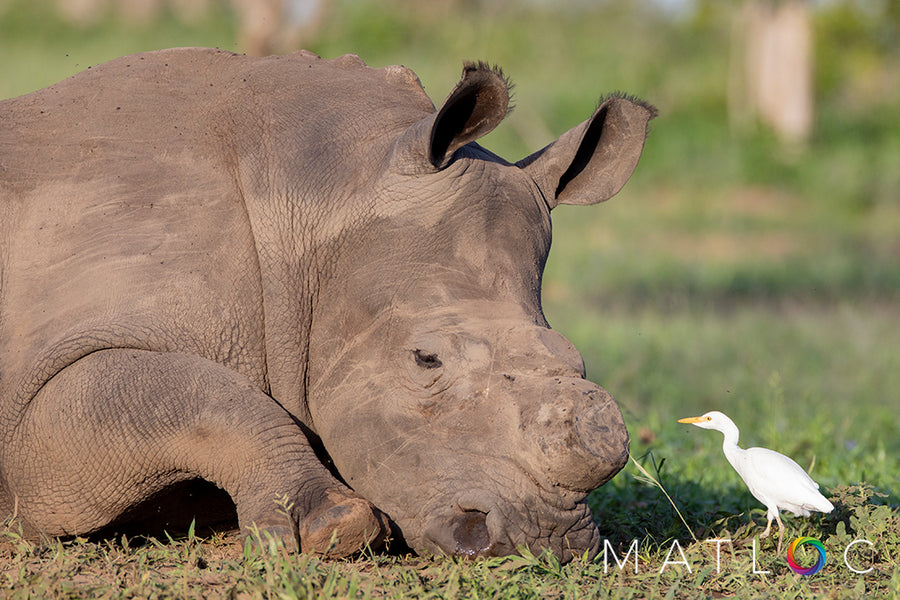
(859, 516)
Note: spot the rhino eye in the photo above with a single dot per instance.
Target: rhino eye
(426, 360)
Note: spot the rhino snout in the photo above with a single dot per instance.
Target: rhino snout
(575, 438)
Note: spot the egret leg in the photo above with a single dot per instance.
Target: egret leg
(768, 529)
(780, 532)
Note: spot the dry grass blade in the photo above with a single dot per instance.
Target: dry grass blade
(649, 478)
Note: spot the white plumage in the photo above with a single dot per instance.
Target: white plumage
(773, 478)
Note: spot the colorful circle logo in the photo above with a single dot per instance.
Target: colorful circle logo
(802, 541)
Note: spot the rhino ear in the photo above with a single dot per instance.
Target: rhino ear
(477, 105)
(591, 162)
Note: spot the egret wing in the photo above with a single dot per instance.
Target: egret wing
(774, 477)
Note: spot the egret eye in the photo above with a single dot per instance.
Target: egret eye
(427, 360)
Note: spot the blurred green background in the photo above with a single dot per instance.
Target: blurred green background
(741, 269)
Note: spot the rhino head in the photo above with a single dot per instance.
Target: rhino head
(438, 389)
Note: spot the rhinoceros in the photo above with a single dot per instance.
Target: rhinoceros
(293, 283)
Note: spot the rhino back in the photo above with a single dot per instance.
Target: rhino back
(119, 231)
(156, 202)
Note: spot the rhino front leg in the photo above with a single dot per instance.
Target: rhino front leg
(119, 426)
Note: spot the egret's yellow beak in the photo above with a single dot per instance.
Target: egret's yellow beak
(693, 419)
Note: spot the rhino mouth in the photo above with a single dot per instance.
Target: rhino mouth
(481, 524)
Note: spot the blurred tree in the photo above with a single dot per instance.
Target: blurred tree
(772, 67)
(276, 26)
(264, 26)
(90, 12)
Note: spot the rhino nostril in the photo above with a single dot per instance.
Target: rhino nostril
(461, 534)
(471, 534)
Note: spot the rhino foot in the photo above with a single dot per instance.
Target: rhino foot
(343, 525)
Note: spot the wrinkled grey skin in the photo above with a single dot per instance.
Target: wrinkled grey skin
(211, 265)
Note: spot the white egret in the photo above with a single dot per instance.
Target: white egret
(773, 478)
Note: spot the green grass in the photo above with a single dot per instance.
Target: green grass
(220, 567)
(730, 274)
